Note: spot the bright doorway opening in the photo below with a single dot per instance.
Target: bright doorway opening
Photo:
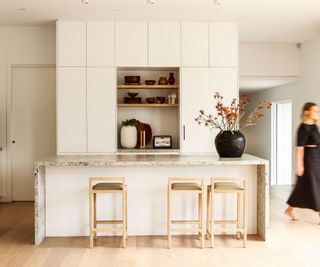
(281, 142)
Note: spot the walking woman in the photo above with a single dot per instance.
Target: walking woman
(306, 193)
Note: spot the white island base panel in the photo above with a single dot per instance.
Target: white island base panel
(61, 207)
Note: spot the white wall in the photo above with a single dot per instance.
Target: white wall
(259, 137)
(269, 59)
(20, 45)
(310, 66)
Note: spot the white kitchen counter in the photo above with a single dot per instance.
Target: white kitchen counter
(61, 191)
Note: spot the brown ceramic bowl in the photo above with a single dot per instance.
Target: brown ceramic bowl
(132, 79)
(150, 82)
(133, 94)
(160, 99)
(150, 100)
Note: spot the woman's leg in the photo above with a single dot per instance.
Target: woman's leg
(289, 212)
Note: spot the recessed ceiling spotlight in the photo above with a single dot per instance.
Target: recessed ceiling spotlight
(85, 1)
(151, 2)
(22, 9)
(217, 2)
(118, 10)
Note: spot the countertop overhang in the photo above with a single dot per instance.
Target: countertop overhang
(148, 160)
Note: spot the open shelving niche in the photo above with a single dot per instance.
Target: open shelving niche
(164, 118)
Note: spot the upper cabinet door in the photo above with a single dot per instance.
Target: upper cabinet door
(101, 109)
(71, 43)
(164, 44)
(131, 44)
(195, 44)
(100, 44)
(71, 109)
(224, 44)
(226, 81)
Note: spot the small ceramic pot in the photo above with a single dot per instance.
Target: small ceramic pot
(128, 136)
(163, 81)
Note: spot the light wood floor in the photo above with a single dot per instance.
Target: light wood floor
(291, 244)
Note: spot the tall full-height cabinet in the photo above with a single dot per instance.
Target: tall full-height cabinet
(216, 69)
(91, 53)
(86, 99)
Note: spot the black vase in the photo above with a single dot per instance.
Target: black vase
(230, 144)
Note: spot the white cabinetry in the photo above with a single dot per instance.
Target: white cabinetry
(131, 44)
(71, 43)
(195, 44)
(100, 44)
(71, 109)
(196, 93)
(197, 88)
(224, 45)
(164, 44)
(101, 109)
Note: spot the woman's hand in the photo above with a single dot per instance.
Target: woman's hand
(300, 171)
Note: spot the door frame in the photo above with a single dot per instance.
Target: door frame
(7, 182)
(274, 145)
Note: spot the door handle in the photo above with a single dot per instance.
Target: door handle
(1, 148)
(184, 132)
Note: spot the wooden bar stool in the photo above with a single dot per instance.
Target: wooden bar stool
(107, 185)
(225, 186)
(186, 185)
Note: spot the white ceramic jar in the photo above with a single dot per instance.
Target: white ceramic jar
(128, 136)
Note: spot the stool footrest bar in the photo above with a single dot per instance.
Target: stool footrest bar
(185, 222)
(109, 222)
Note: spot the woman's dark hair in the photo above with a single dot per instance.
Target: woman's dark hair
(306, 107)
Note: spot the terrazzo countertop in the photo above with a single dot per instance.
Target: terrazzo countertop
(148, 160)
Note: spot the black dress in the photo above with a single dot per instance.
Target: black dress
(307, 190)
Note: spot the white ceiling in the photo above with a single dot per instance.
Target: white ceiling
(253, 84)
(260, 20)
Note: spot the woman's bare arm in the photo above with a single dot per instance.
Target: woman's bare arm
(300, 161)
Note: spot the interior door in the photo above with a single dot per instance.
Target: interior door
(33, 124)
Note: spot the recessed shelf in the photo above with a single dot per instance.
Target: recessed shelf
(143, 86)
(147, 105)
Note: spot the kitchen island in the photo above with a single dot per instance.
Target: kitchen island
(61, 191)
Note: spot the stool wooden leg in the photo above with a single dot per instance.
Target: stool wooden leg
(212, 219)
(208, 214)
(124, 221)
(169, 217)
(201, 218)
(95, 213)
(90, 219)
(126, 203)
(245, 217)
(238, 214)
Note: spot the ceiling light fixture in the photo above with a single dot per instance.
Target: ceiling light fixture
(217, 2)
(151, 2)
(85, 1)
(22, 9)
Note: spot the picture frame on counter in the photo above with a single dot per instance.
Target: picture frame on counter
(162, 141)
